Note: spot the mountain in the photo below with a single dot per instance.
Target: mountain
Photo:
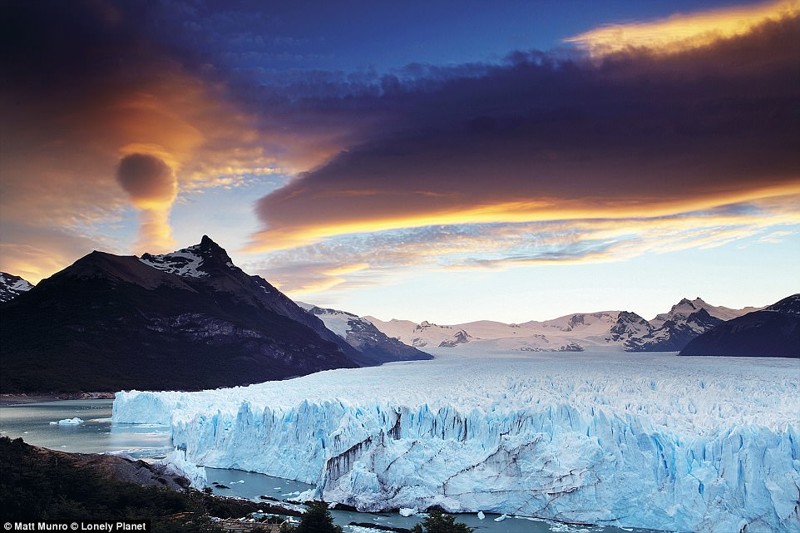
(12, 286)
(186, 320)
(685, 308)
(374, 346)
(771, 332)
(620, 330)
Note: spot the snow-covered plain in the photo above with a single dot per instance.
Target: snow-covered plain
(641, 440)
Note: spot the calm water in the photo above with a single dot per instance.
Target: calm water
(97, 434)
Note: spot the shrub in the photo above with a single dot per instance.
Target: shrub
(439, 522)
(317, 519)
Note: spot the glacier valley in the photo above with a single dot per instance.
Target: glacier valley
(633, 440)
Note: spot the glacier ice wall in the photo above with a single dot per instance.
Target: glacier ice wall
(648, 441)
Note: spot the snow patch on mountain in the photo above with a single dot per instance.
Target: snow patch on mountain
(339, 322)
(12, 286)
(185, 262)
(651, 441)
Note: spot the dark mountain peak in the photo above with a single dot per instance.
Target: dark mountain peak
(790, 305)
(115, 268)
(771, 332)
(629, 325)
(208, 248)
(697, 321)
(110, 322)
(629, 316)
(701, 314)
(196, 261)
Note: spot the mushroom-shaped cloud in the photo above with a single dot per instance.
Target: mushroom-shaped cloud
(152, 187)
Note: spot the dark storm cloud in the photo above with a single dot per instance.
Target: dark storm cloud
(632, 133)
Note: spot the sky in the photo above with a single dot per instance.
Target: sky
(441, 161)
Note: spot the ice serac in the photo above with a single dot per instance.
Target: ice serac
(655, 442)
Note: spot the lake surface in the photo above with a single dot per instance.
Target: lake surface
(34, 423)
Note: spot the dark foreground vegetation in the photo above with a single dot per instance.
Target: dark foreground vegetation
(40, 484)
(439, 522)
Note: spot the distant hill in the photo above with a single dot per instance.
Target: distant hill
(186, 320)
(771, 332)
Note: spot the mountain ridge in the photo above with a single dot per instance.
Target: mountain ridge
(112, 322)
(365, 337)
(368, 340)
(770, 332)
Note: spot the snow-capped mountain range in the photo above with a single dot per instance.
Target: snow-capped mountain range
(617, 330)
(372, 341)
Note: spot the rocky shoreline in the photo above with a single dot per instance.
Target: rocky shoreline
(40, 397)
(38, 482)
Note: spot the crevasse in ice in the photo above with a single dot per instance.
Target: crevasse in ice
(652, 441)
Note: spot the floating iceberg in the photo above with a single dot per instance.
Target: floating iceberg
(651, 441)
(68, 422)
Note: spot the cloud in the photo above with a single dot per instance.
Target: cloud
(473, 158)
(152, 187)
(148, 180)
(538, 139)
(88, 83)
(354, 261)
(683, 32)
(37, 252)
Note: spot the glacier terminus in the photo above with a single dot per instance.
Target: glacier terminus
(633, 440)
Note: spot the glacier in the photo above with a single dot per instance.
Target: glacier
(632, 440)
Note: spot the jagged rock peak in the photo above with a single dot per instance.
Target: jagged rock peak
(193, 261)
(208, 245)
